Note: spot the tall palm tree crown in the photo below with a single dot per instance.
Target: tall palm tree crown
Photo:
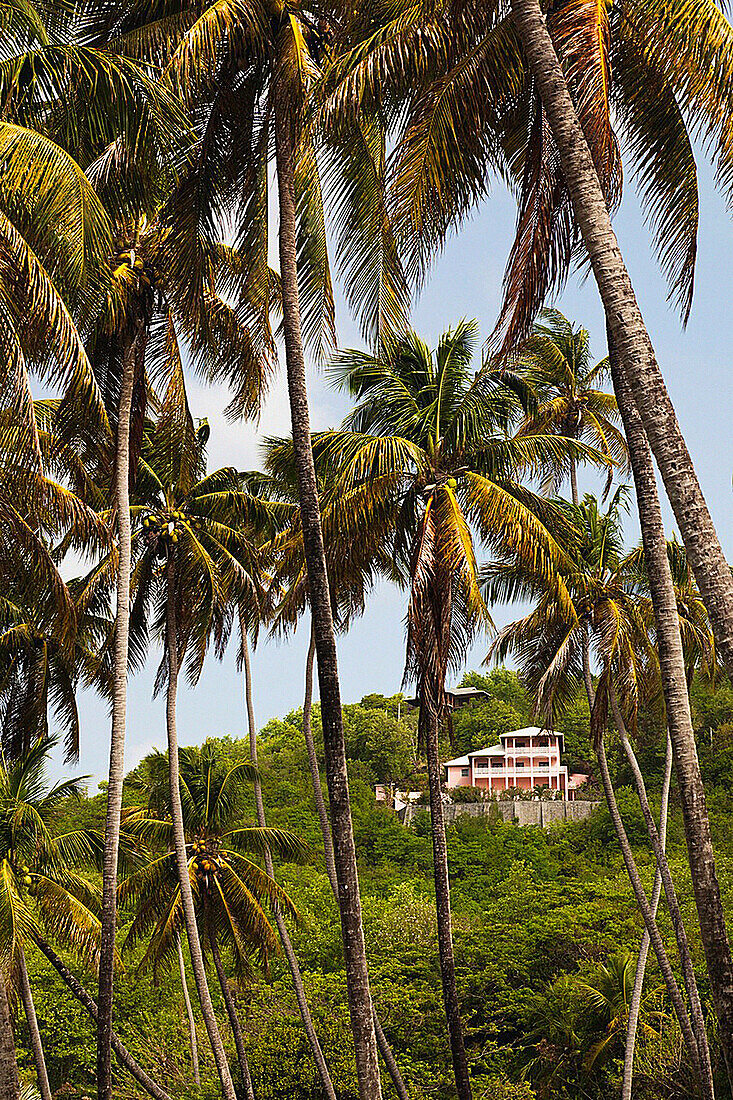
(455, 84)
(570, 399)
(231, 891)
(432, 439)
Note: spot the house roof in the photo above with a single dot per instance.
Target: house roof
(499, 750)
(467, 693)
(532, 731)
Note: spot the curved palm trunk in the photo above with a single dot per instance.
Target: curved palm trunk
(675, 912)
(79, 992)
(179, 840)
(288, 949)
(193, 1039)
(673, 990)
(442, 908)
(637, 366)
(234, 1021)
(9, 1080)
(313, 762)
(119, 723)
(26, 995)
(382, 1042)
(679, 720)
(636, 995)
(352, 931)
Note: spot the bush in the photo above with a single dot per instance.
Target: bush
(469, 794)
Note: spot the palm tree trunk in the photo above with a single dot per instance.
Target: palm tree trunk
(179, 841)
(382, 1042)
(662, 958)
(234, 1021)
(26, 995)
(705, 886)
(79, 992)
(675, 912)
(189, 1014)
(9, 1080)
(119, 720)
(574, 481)
(442, 908)
(288, 949)
(634, 347)
(637, 366)
(673, 990)
(636, 995)
(313, 761)
(352, 931)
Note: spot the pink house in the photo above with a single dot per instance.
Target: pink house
(525, 759)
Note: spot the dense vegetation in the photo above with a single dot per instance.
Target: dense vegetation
(154, 157)
(541, 920)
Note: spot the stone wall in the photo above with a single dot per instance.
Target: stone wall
(539, 813)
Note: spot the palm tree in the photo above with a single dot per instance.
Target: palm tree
(556, 359)
(429, 439)
(642, 394)
(229, 889)
(607, 992)
(100, 104)
(136, 335)
(594, 605)
(269, 62)
(42, 660)
(699, 652)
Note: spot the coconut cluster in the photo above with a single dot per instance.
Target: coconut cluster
(205, 862)
(167, 525)
(128, 262)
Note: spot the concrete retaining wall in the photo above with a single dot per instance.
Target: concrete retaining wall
(539, 813)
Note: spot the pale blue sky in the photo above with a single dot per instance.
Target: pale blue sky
(465, 282)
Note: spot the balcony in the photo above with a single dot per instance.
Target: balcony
(482, 770)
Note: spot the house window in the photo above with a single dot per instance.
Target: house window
(519, 763)
(464, 773)
(497, 762)
(519, 744)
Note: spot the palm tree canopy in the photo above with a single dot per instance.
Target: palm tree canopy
(231, 64)
(230, 889)
(202, 518)
(571, 400)
(602, 598)
(454, 84)
(40, 888)
(429, 446)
